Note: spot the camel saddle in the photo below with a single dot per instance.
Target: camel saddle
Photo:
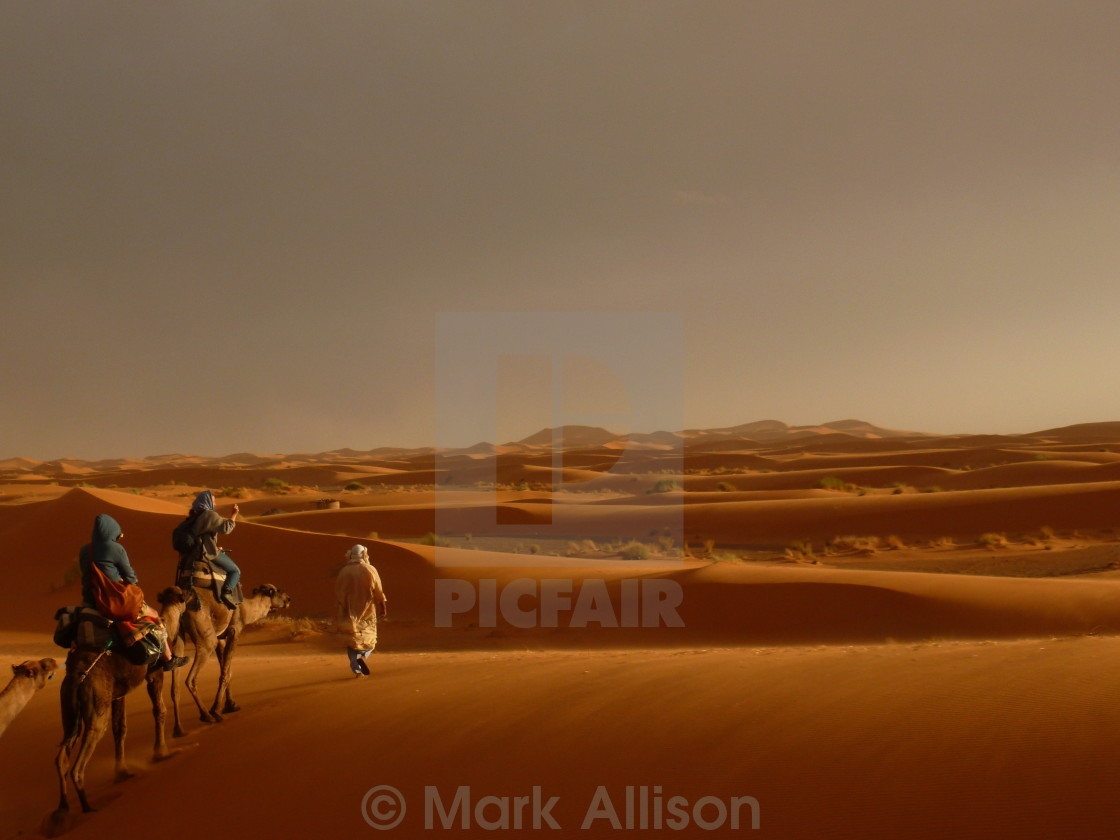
(200, 573)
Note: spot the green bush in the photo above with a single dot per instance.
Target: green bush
(355, 485)
(635, 550)
(665, 485)
(725, 487)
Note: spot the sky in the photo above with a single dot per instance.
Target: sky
(234, 227)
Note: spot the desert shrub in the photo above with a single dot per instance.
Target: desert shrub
(804, 546)
(709, 546)
(725, 487)
(849, 543)
(933, 488)
(895, 542)
(992, 540)
(590, 545)
(534, 549)
(635, 550)
(272, 512)
(572, 549)
(274, 484)
(295, 627)
(355, 485)
(831, 482)
(665, 544)
(1047, 532)
(372, 535)
(431, 538)
(665, 485)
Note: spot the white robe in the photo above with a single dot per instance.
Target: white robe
(359, 595)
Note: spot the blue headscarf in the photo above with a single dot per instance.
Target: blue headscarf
(103, 541)
(203, 501)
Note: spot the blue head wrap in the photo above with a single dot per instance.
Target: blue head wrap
(203, 501)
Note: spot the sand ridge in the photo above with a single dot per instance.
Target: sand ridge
(839, 657)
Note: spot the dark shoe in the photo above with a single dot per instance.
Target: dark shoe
(363, 666)
(175, 662)
(227, 599)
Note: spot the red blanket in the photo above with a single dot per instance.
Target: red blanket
(131, 631)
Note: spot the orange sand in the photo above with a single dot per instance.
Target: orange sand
(850, 697)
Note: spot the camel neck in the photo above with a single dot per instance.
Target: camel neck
(254, 608)
(14, 697)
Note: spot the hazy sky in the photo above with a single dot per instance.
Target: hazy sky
(230, 226)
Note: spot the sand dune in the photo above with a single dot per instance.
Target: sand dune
(849, 696)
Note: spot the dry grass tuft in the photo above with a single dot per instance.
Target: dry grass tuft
(851, 543)
(992, 541)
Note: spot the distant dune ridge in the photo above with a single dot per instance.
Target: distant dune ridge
(872, 623)
(750, 435)
(757, 490)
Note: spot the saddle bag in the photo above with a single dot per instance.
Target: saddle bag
(148, 648)
(82, 626)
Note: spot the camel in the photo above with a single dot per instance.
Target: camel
(214, 628)
(28, 678)
(93, 695)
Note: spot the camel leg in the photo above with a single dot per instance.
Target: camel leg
(201, 654)
(225, 657)
(120, 729)
(177, 731)
(159, 712)
(96, 720)
(59, 820)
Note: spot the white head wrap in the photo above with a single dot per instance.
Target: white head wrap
(358, 554)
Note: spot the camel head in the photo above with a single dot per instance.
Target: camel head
(171, 595)
(278, 598)
(36, 670)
